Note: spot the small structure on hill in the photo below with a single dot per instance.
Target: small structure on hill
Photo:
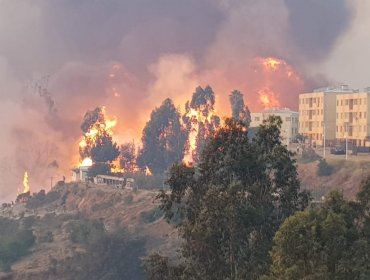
(80, 174)
(107, 180)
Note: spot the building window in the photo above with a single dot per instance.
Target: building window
(287, 119)
(360, 114)
(346, 101)
(257, 119)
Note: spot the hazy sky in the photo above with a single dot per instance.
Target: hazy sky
(60, 58)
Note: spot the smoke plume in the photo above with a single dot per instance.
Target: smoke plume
(130, 55)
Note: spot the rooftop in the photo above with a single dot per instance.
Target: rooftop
(277, 110)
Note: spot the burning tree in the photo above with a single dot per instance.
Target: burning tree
(97, 147)
(240, 111)
(163, 139)
(200, 121)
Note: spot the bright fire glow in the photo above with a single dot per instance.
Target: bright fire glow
(90, 137)
(26, 186)
(268, 98)
(197, 118)
(276, 78)
(271, 63)
(87, 162)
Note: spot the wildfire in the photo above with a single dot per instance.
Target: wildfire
(268, 98)
(98, 126)
(26, 186)
(197, 118)
(87, 162)
(276, 79)
(200, 120)
(271, 63)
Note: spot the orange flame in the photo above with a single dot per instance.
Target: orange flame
(87, 162)
(268, 98)
(271, 63)
(197, 117)
(276, 76)
(26, 186)
(91, 136)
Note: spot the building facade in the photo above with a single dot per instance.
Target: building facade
(353, 120)
(336, 115)
(317, 114)
(289, 127)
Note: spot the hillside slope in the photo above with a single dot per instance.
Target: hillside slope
(116, 208)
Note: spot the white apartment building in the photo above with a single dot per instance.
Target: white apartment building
(289, 127)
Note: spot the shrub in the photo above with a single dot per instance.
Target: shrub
(47, 238)
(85, 231)
(323, 168)
(151, 216)
(309, 155)
(14, 243)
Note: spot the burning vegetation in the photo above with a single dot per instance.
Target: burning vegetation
(168, 136)
(171, 136)
(97, 148)
(274, 75)
(200, 120)
(24, 195)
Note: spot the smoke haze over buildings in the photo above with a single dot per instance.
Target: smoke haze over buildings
(131, 55)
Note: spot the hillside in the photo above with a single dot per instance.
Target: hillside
(67, 203)
(50, 216)
(346, 176)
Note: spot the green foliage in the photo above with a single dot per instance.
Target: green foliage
(147, 182)
(323, 168)
(151, 216)
(163, 139)
(48, 237)
(41, 198)
(326, 242)
(233, 202)
(15, 242)
(101, 206)
(309, 155)
(158, 267)
(112, 256)
(85, 231)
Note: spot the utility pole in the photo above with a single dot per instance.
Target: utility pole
(51, 182)
(347, 141)
(324, 139)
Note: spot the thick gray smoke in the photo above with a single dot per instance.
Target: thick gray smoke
(130, 55)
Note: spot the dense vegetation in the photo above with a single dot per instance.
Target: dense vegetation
(330, 241)
(15, 242)
(110, 256)
(231, 204)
